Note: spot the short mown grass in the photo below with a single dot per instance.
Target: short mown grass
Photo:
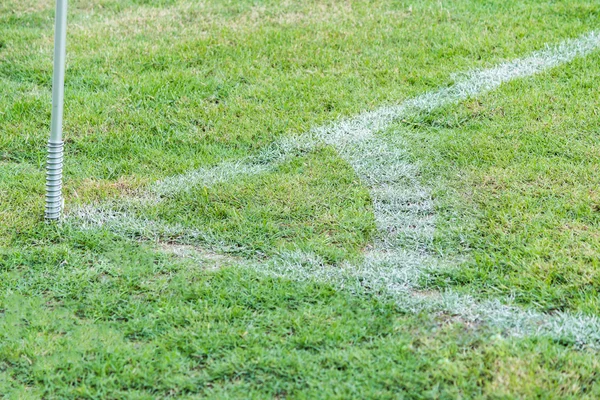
(156, 88)
(523, 161)
(98, 318)
(313, 204)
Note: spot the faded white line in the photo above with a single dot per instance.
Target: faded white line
(402, 206)
(388, 282)
(365, 125)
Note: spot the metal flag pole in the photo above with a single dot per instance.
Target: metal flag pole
(54, 201)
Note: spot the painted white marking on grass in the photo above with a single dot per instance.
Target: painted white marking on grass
(267, 160)
(122, 222)
(402, 206)
(388, 282)
(359, 128)
(366, 124)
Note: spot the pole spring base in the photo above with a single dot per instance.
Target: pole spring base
(54, 201)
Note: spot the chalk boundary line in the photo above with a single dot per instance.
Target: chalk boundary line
(402, 206)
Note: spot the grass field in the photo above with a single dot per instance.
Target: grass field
(257, 275)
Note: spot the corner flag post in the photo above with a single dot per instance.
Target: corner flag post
(54, 201)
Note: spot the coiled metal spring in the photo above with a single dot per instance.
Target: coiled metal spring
(54, 202)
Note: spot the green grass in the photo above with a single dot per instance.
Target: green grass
(156, 88)
(119, 320)
(283, 210)
(524, 163)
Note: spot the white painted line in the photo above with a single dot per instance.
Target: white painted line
(385, 281)
(363, 126)
(403, 208)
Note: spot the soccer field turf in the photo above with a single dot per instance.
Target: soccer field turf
(320, 199)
